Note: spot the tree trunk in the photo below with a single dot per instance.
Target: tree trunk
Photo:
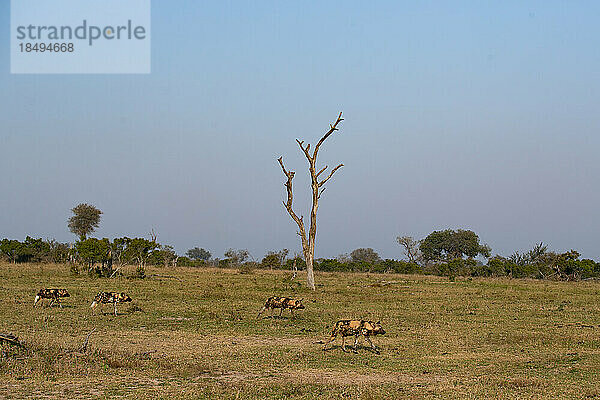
(309, 256)
(308, 252)
(310, 275)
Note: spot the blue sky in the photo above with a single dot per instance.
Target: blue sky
(476, 115)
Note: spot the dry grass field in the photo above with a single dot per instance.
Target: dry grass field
(193, 333)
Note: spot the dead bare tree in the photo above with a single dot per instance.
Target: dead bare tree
(308, 241)
(411, 248)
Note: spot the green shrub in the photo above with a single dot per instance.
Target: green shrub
(140, 273)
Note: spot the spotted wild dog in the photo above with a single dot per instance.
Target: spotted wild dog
(110, 297)
(53, 294)
(348, 327)
(282, 303)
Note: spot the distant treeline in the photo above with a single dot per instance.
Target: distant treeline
(100, 257)
(565, 266)
(445, 253)
(34, 250)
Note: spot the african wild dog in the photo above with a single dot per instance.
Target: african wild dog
(281, 302)
(110, 297)
(53, 294)
(347, 327)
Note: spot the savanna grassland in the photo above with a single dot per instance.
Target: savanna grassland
(193, 333)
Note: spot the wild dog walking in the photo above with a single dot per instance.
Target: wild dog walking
(110, 297)
(348, 327)
(282, 303)
(53, 294)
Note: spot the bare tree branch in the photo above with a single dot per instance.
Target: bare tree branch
(290, 196)
(320, 193)
(330, 175)
(332, 128)
(304, 149)
(84, 346)
(280, 159)
(321, 171)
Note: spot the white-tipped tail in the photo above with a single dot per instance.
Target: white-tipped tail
(37, 298)
(94, 304)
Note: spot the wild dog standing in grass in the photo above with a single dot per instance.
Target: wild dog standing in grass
(110, 297)
(349, 327)
(53, 294)
(281, 302)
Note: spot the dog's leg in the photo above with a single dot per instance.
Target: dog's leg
(354, 350)
(331, 339)
(372, 345)
(262, 310)
(344, 344)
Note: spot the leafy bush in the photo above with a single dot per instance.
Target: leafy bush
(300, 264)
(140, 273)
(187, 262)
(33, 250)
(367, 255)
(163, 256)
(449, 245)
(198, 254)
(385, 266)
(236, 257)
(401, 267)
(275, 259)
(247, 267)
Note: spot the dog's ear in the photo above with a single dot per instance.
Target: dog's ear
(379, 322)
(300, 301)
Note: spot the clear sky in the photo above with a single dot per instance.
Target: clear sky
(477, 115)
